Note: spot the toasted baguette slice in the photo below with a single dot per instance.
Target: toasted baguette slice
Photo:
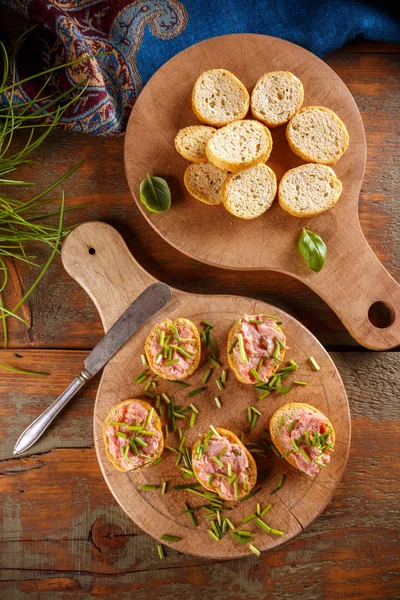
(191, 142)
(316, 134)
(115, 416)
(187, 364)
(239, 145)
(204, 182)
(261, 339)
(276, 97)
(218, 97)
(309, 190)
(251, 471)
(250, 193)
(307, 419)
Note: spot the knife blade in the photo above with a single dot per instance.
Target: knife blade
(149, 303)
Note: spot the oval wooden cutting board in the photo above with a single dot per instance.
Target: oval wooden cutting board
(95, 255)
(352, 278)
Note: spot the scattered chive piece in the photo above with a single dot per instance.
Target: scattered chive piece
(258, 508)
(143, 359)
(276, 531)
(210, 531)
(133, 446)
(170, 538)
(178, 415)
(249, 415)
(254, 550)
(164, 488)
(314, 363)
(266, 510)
(194, 409)
(230, 469)
(165, 398)
(255, 374)
(178, 460)
(250, 495)
(280, 484)
(281, 420)
(219, 385)
(307, 438)
(126, 450)
(141, 442)
(192, 419)
(275, 450)
(278, 341)
(218, 462)
(156, 462)
(263, 525)
(243, 354)
(116, 424)
(144, 372)
(214, 362)
(276, 351)
(161, 551)
(260, 364)
(148, 394)
(285, 390)
(230, 524)
(215, 432)
(317, 462)
(172, 449)
(181, 351)
(253, 421)
(148, 488)
(121, 435)
(248, 518)
(291, 361)
(232, 479)
(223, 376)
(256, 321)
(181, 383)
(195, 392)
(148, 385)
(295, 448)
(191, 515)
(292, 424)
(256, 411)
(232, 347)
(236, 488)
(166, 431)
(264, 395)
(186, 486)
(244, 533)
(304, 453)
(171, 362)
(217, 401)
(210, 479)
(206, 376)
(300, 382)
(207, 439)
(187, 471)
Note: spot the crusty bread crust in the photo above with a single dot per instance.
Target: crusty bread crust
(310, 157)
(251, 470)
(223, 119)
(199, 135)
(156, 422)
(181, 321)
(291, 410)
(232, 361)
(277, 119)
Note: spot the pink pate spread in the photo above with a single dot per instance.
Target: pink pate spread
(178, 369)
(133, 413)
(234, 454)
(310, 422)
(259, 342)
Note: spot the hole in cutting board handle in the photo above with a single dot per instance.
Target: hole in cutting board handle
(92, 251)
(381, 315)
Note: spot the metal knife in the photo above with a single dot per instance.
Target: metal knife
(152, 300)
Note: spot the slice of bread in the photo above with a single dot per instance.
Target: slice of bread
(218, 97)
(239, 145)
(234, 357)
(250, 193)
(204, 182)
(113, 416)
(251, 472)
(309, 190)
(281, 420)
(189, 365)
(191, 142)
(316, 134)
(276, 97)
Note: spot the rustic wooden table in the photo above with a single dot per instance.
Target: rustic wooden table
(62, 535)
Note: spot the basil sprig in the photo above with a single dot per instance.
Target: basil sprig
(313, 249)
(155, 194)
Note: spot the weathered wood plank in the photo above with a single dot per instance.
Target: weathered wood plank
(62, 314)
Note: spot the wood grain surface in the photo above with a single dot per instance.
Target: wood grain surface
(62, 535)
(212, 235)
(96, 256)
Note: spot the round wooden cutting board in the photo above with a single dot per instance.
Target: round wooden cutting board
(352, 279)
(95, 255)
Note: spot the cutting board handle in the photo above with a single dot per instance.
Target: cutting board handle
(96, 256)
(351, 281)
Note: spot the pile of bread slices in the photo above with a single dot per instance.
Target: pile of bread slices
(228, 153)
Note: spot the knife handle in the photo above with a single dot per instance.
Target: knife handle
(36, 429)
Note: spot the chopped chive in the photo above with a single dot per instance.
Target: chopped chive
(195, 392)
(121, 435)
(275, 450)
(266, 510)
(295, 448)
(232, 347)
(148, 385)
(292, 424)
(248, 518)
(164, 488)
(317, 462)
(215, 528)
(256, 411)
(223, 376)
(156, 462)
(253, 421)
(217, 461)
(192, 419)
(191, 515)
(264, 395)
(304, 453)
(244, 533)
(166, 431)
(146, 432)
(187, 471)
(143, 359)
(230, 469)
(165, 398)
(186, 486)
(207, 324)
(263, 525)
(178, 460)
(249, 415)
(178, 415)
(171, 362)
(172, 449)
(141, 442)
(256, 321)
(210, 479)
(210, 531)
(149, 394)
(300, 382)
(280, 484)
(281, 420)
(243, 354)
(250, 495)
(170, 538)
(260, 364)
(219, 385)
(215, 432)
(230, 524)
(232, 478)
(148, 488)
(133, 446)
(126, 450)
(214, 362)
(217, 401)
(271, 317)
(276, 532)
(207, 439)
(160, 551)
(236, 488)
(285, 390)
(278, 341)
(206, 376)
(116, 424)
(181, 383)
(314, 363)
(202, 494)
(286, 454)
(307, 438)
(276, 351)
(194, 409)
(142, 374)
(255, 374)
(254, 550)
(258, 509)
(181, 351)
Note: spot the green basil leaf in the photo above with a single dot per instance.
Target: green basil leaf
(155, 194)
(313, 249)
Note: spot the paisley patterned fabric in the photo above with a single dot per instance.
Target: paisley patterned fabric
(133, 38)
